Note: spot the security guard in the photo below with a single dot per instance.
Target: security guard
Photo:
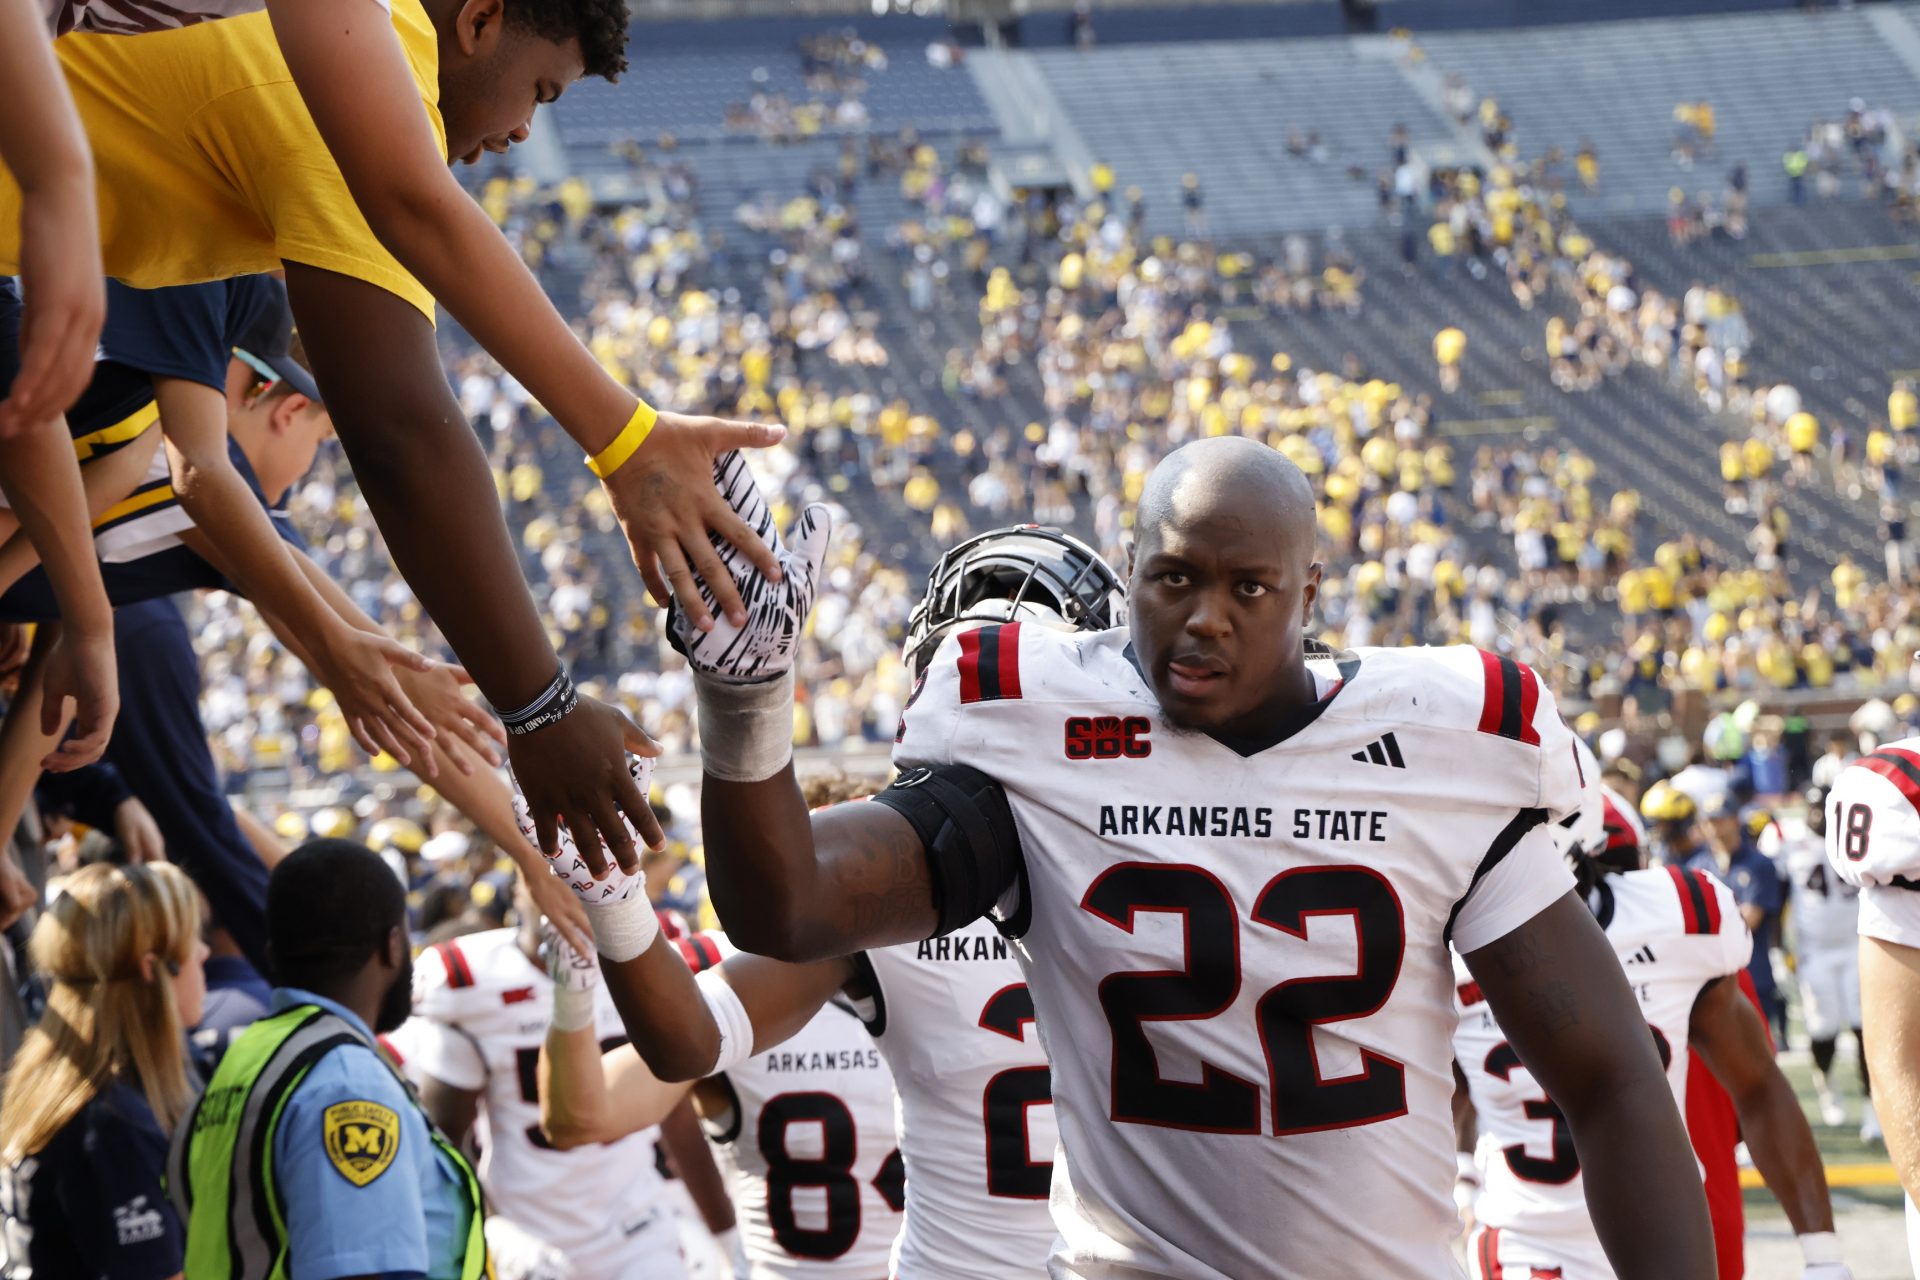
(307, 1156)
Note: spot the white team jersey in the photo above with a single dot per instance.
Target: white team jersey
(954, 1020)
(1873, 839)
(1674, 931)
(1825, 909)
(480, 1014)
(808, 1148)
(1239, 960)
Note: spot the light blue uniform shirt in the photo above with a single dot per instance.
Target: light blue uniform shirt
(409, 1221)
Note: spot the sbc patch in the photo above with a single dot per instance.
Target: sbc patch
(361, 1138)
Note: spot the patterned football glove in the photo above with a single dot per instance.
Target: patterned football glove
(570, 866)
(569, 970)
(776, 611)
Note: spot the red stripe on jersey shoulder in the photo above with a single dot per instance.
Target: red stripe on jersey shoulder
(1510, 695)
(1494, 699)
(1710, 902)
(458, 973)
(1898, 766)
(970, 666)
(1689, 912)
(990, 663)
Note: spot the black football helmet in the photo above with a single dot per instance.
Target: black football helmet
(1025, 573)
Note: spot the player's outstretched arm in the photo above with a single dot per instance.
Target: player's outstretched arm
(585, 1096)
(1890, 1003)
(1726, 1031)
(1558, 990)
(355, 81)
(801, 887)
(43, 146)
(42, 483)
(425, 478)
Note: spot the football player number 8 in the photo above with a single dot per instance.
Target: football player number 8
(1854, 834)
(1222, 1102)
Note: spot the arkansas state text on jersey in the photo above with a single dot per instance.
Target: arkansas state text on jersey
(1238, 955)
(807, 1145)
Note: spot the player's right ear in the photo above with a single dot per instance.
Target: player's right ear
(476, 28)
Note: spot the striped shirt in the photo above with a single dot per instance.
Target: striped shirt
(131, 17)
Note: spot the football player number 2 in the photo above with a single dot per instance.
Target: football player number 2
(1209, 982)
(1012, 1172)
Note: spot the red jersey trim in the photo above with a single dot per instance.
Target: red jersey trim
(1900, 767)
(1512, 694)
(990, 663)
(458, 973)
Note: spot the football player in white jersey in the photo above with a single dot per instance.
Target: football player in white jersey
(1681, 940)
(804, 1132)
(482, 1003)
(1873, 842)
(1824, 911)
(952, 1015)
(1233, 868)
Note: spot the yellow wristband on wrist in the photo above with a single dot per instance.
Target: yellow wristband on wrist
(631, 437)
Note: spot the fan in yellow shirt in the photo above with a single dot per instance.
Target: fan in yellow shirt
(208, 166)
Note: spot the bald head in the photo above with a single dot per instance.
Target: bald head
(1228, 476)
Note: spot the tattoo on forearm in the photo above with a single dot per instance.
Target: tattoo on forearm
(1555, 1006)
(1518, 953)
(891, 874)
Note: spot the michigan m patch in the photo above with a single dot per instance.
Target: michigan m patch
(361, 1139)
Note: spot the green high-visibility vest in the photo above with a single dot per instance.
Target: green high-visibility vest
(220, 1168)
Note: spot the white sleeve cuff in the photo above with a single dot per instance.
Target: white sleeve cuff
(1531, 878)
(1891, 914)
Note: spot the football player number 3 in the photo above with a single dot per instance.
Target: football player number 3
(1209, 982)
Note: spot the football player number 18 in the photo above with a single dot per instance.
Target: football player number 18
(1209, 982)
(1855, 831)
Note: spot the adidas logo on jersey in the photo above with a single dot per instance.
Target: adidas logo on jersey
(1384, 750)
(1643, 956)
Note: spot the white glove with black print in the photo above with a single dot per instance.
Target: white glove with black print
(570, 866)
(776, 611)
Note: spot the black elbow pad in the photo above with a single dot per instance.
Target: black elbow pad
(966, 824)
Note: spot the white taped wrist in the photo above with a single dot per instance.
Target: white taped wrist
(572, 1008)
(730, 1017)
(1820, 1248)
(746, 730)
(623, 928)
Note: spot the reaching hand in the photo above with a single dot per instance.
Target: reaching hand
(567, 965)
(563, 910)
(80, 667)
(763, 645)
(362, 668)
(17, 894)
(65, 291)
(138, 833)
(579, 794)
(676, 524)
(436, 691)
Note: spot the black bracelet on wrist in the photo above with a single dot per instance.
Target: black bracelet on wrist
(554, 702)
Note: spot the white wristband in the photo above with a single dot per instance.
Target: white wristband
(1820, 1248)
(730, 1017)
(746, 730)
(572, 1007)
(623, 928)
